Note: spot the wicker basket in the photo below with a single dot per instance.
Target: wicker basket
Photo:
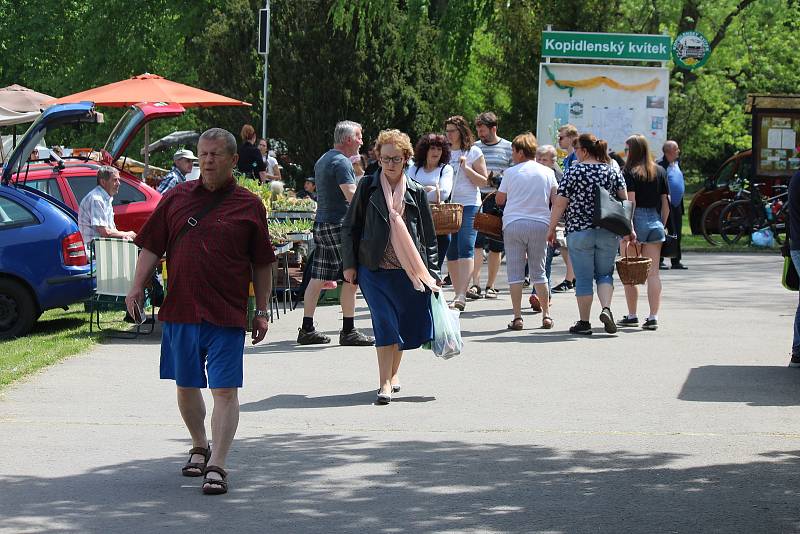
(633, 271)
(488, 224)
(447, 218)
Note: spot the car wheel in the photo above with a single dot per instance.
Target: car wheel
(17, 310)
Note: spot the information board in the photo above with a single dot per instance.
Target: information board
(612, 102)
(778, 144)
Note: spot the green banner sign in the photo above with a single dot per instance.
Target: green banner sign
(614, 46)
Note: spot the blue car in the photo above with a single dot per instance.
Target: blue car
(43, 261)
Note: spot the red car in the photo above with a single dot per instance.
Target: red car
(70, 180)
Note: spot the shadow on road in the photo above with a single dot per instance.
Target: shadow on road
(334, 483)
(757, 385)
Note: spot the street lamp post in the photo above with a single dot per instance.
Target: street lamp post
(263, 48)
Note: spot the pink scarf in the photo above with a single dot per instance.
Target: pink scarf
(401, 240)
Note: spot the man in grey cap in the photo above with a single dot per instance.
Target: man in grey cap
(183, 161)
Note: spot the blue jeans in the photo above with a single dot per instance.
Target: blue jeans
(592, 252)
(796, 337)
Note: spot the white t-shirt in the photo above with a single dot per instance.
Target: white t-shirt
(528, 186)
(423, 177)
(464, 191)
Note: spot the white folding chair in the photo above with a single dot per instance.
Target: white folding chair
(114, 266)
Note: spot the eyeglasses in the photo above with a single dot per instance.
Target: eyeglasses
(387, 160)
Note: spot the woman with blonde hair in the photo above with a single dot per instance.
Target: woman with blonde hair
(389, 250)
(526, 192)
(470, 175)
(648, 190)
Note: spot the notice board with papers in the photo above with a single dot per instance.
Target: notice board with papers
(612, 102)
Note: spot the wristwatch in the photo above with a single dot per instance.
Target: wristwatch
(262, 313)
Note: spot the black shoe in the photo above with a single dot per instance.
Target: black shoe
(526, 282)
(383, 399)
(679, 266)
(447, 281)
(608, 321)
(583, 328)
(628, 321)
(663, 266)
(354, 338)
(314, 337)
(563, 287)
(474, 293)
(650, 324)
(795, 361)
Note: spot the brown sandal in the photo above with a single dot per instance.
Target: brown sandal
(215, 485)
(547, 323)
(516, 324)
(196, 469)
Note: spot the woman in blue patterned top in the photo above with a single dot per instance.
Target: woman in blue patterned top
(592, 250)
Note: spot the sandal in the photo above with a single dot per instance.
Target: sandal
(516, 324)
(196, 469)
(458, 305)
(547, 323)
(474, 292)
(216, 486)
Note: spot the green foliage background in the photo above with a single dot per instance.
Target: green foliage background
(391, 63)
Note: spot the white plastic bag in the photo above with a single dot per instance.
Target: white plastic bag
(446, 341)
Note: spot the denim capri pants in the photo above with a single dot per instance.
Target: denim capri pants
(592, 252)
(648, 226)
(462, 243)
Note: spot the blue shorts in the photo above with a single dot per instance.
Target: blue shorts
(189, 350)
(648, 226)
(462, 244)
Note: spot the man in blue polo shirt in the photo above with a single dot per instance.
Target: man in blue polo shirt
(677, 187)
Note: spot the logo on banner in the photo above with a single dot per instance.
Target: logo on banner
(690, 50)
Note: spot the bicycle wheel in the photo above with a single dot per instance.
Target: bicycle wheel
(709, 222)
(736, 221)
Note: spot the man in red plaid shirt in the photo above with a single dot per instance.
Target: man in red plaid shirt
(215, 236)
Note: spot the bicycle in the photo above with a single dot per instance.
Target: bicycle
(741, 218)
(709, 221)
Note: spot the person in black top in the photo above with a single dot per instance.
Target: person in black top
(309, 189)
(250, 161)
(794, 251)
(648, 190)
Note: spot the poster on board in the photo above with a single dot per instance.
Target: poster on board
(612, 102)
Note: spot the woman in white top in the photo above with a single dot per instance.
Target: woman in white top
(435, 174)
(470, 176)
(526, 192)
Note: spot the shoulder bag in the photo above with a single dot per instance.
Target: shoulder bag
(610, 213)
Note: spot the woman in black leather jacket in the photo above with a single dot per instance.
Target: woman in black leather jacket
(396, 281)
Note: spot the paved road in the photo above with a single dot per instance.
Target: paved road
(692, 428)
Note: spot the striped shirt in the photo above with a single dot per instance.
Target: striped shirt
(498, 159)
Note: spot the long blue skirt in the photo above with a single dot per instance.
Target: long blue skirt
(400, 314)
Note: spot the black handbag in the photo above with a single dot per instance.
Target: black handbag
(669, 249)
(610, 213)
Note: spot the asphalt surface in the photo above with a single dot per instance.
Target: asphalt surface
(693, 428)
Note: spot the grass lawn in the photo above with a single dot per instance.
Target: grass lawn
(56, 335)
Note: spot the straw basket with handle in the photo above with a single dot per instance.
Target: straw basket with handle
(633, 270)
(488, 223)
(446, 215)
